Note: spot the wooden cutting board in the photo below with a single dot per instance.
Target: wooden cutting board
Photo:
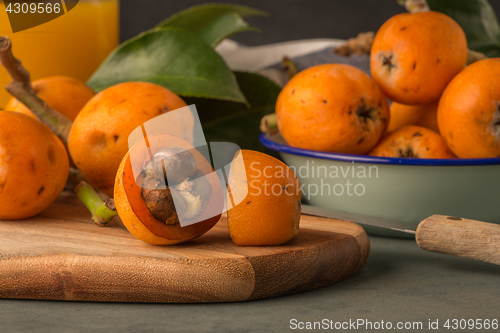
(62, 255)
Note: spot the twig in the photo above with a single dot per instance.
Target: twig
(21, 88)
(75, 177)
(102, 212)
(58, 123)
(16, 70)
(362, 44)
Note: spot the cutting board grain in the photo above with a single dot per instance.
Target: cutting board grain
(61, 255)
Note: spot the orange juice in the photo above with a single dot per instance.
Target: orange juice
(73, 44)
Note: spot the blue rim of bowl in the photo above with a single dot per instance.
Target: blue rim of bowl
(273, 145)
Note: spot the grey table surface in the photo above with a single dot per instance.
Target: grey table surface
(399, 283)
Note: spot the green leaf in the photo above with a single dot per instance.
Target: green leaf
(225, 121)
(241, 128)
(478, 20)
(226, 25)
(259, 91)
(234, 122)
(213, 22)
(173, 58)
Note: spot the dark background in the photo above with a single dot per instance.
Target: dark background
(288, 20)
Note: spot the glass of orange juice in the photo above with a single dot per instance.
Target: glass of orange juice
(73, 44)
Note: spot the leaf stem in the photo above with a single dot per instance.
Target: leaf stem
(102, 211)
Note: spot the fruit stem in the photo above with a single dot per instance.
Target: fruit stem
(415, 6)
(362, 44)
(269, 124)
(289, 67)
(21, 88)
(473, 56)
(102, 211)
(75, 177)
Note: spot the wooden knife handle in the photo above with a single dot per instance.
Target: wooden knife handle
(460, 237)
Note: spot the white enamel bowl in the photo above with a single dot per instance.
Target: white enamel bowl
(402, 189)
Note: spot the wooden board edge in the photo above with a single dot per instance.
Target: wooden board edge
(71, 278)
(322, 265)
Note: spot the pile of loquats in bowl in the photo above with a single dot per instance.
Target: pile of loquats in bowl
(441, 108)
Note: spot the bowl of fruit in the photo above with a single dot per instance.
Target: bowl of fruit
(433, 148)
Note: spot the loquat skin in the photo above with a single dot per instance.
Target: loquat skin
(34, 166)
(421, 115)
(468, 112)
(269, 214)
(332, 107)
(64, 94)
(413, 142)
(99, 136)
(414, 56)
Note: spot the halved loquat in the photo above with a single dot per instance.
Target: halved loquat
(146, 206)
